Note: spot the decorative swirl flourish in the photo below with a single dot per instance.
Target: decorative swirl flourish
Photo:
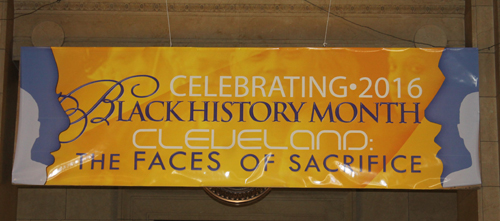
(104, 99)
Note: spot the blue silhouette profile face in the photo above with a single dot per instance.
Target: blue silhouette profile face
(460, 68)
(39, 78)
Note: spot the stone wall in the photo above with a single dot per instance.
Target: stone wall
(8, 101)
(483, 33)
(279, 23)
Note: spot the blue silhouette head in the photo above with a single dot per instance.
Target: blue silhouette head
(460, 68)
(39, 78)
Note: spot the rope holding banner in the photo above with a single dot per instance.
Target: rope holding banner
(168, 20)
(327, 20)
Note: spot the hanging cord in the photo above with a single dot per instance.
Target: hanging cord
(29, 13)
(307, 1)
(327, 20)
(369, 28)
(168, 20)
(488, 48)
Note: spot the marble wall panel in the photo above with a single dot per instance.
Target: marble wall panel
(382, 205)
(488, 119)
(491, 203)
(248, 6)
(263, 30)
(41, 203)
(280, 204)
(433, 205)
(489, 164)
(487, 75)
(222, 23)
(484, 2)
(485, 27)
(480, 204)
(92, 204)
(467, 205)
(2, 65)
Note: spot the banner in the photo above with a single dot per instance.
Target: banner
(398, 118)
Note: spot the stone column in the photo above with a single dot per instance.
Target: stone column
(483, 36)
(8, 97)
